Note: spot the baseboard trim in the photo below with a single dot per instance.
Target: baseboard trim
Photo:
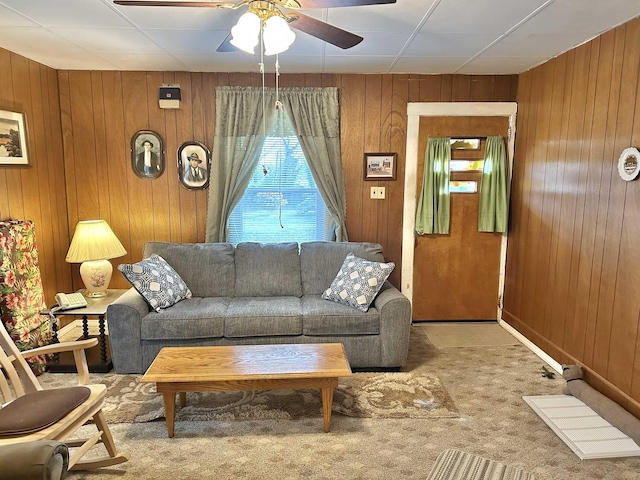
(531, 346)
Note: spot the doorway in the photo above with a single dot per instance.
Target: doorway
(459, 276)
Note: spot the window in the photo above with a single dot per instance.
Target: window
(463, 186)
(282, 202)
(467, 165)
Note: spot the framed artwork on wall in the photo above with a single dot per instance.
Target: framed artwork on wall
(380, 166)
(194, 165)
(147, 154)
(13, 139)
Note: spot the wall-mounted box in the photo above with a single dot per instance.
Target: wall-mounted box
(170, 96)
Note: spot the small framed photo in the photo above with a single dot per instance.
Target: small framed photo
(194, 165)
(147, 154)
(380, 166)
(13, 139)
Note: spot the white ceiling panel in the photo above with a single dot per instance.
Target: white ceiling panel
(172, 18)
(374, 44)
(37, 40)
(488, 65)
(108, 40)
(10, 18)
(292, 63)
(143, 61)
(305, 44)
(69, 13)
(589, 17)
(409, 36)
(188, 41)
(486, 16)
(534, 45)
(367, 64)
(428, 64)
(448, 44)
(404, 16)
(218, 63)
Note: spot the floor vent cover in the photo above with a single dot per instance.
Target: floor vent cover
(581, 428)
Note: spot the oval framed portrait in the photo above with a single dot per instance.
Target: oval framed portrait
(629, 164)
(147, 154)
(194, 165)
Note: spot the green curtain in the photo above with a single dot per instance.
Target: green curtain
(492, 216)
(433, 208)
(315, 115)
(239, 137)
(240, 134)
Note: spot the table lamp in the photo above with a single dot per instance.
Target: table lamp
(93, 244)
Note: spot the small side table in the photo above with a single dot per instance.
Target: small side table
(98, 357)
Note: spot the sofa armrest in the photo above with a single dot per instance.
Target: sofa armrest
(124, 318)
(395, 325)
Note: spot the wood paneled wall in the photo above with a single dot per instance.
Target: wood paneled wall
(102, 110)
(573, 262)
(37, 192)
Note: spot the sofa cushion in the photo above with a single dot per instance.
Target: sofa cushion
(194, 317)
(320, 261)
(156, 281)
(323, 317)
(267, 270)
(358, 282)
(263, 317)
(208, 268)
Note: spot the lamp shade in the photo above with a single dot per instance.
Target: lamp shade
(94, 240)
(277, 35)
(246, 32)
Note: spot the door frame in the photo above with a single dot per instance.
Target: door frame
(447, 109)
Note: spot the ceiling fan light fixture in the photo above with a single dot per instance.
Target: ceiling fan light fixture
(277, 35)
(246, 32)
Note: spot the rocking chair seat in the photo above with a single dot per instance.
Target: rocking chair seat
(41, 409)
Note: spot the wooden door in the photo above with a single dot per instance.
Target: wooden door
(456, 276)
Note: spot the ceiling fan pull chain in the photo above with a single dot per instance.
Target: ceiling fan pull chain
(264, 110)
(278, 102)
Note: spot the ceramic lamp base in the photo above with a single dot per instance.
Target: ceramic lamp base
(96, 276)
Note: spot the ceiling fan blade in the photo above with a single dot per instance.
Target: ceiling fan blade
(319, 29)
(341, 3)
(153, 3)
(226, 46)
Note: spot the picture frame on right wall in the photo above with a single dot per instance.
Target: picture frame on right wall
(380, 166)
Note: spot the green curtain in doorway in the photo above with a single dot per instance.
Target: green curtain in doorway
(492, 216)
(433, 208)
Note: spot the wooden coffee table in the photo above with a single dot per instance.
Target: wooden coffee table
(247, 367)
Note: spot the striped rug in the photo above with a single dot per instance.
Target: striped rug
(458, 465)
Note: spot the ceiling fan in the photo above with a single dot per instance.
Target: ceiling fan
(268, 8)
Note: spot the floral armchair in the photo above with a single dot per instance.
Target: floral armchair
(22, 296)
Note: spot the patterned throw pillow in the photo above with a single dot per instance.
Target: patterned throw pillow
(358, 282)
(156, 281)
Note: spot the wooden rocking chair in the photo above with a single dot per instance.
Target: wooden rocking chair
(28, 412)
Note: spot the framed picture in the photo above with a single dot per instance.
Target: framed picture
(194, 165)
(380, 166)
(13, 139)
(147, 154)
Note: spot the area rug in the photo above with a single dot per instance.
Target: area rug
(370, 395)
(458, 465)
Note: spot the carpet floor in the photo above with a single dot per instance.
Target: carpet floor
(485, 383)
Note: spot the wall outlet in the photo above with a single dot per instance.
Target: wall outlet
(378, 193)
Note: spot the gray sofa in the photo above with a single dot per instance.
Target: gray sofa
(258, 294)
